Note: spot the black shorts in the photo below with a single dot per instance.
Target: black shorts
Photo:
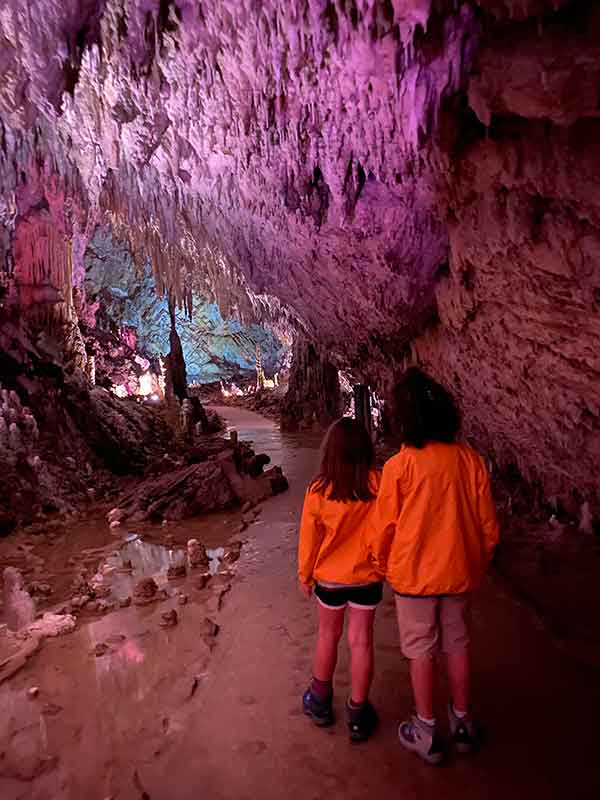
(367, 597)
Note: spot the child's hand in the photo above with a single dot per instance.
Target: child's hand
(305, 589)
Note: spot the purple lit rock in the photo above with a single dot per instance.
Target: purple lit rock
(18, 604)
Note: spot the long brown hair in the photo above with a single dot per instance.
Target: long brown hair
(346, 462)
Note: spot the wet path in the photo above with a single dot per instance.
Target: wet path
(155, 721)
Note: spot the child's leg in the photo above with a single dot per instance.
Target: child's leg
(331, 625)
(455, 615)
(459, 677)
(419, 631)
(360, 642)
(455, 624)
(418, 626)
(422, 676)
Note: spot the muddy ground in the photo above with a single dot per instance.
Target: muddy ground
(197, 710)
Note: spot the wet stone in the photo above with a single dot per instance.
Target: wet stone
(145, 591)
(232, 552)
(169, 619)
(197, 555)
(176, 571)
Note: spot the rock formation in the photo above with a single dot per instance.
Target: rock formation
(175, 362)
(19, 607)
(313, 396)
(392, 180)
(121, 298)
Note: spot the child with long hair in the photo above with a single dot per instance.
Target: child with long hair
(434, 533)
(333, 564)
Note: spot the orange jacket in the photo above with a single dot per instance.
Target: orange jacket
(332, 545)
(435, 526)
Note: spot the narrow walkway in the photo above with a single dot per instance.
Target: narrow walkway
(157, 722)
(245, 737)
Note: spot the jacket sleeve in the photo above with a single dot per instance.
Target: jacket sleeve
(381, 530)
(311, 537)
(487, 513)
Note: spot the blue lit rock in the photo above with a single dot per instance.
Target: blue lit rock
(214, 348)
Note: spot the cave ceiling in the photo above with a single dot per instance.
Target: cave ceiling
(281, 157)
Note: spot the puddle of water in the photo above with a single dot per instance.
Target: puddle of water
(112, 703)
(285, 449)
(148, 560)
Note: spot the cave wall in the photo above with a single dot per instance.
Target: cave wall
(395, 180)
(519, 322)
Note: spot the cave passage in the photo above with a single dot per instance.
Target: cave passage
(126, 703)
(223, 227)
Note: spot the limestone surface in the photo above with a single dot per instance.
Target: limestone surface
(397, 180)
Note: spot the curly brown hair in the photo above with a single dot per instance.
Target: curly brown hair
(425, 410)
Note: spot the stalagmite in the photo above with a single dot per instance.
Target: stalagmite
(14, 437)
(18, 604)
(175, 360)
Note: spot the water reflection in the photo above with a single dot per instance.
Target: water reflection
(147, 560)
(138, 689)
(284, 448)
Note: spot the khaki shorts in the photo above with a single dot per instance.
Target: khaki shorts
(426, 622)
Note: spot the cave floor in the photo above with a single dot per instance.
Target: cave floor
(162, 718)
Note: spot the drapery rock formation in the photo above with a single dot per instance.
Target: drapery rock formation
(395, 179)
(313, 397)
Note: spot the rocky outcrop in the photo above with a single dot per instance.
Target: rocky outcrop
(519, 313)
(313, 397)
(372, 174)
(63, 436)
(221, 476)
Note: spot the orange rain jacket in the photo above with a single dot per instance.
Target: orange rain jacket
(435, 527)
(332, 546)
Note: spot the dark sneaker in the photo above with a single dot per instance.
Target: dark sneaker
(422, 739)
(362, 721)
(466, 732)
(318, 709)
